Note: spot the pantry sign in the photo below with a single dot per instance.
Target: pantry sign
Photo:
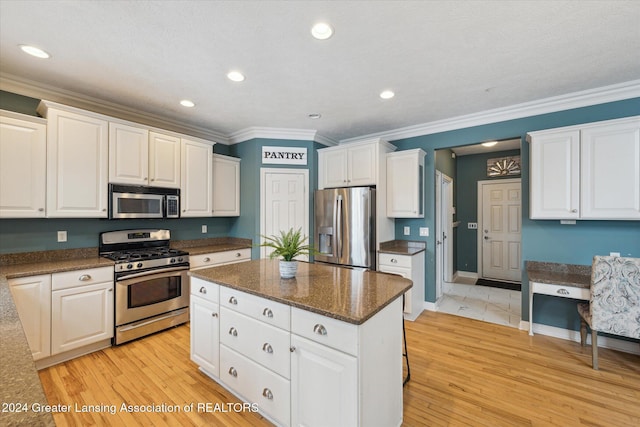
(284, 155)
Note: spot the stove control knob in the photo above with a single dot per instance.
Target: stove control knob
(129, 266)
(180, 259)
(173, 261)
(139, 265)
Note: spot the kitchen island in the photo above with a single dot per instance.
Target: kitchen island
(323, 348)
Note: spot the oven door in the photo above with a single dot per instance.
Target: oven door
(143, 295)
(136, 205)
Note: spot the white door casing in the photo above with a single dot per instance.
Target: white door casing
(284, 202)
(499, 229)
(444, 231)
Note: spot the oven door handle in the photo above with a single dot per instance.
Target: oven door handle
(159, 273)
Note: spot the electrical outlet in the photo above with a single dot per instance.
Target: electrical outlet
(204, 229)
(62, 236)
(407, 230)
(614, 253)
(472, 225)
(424, 231)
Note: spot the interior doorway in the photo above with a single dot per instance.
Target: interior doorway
(284, 202)
(444, 231)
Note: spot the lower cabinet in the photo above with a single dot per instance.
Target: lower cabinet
(410, 267)
(205, 321)
(32, 296)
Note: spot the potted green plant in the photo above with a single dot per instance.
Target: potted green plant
(288, 245)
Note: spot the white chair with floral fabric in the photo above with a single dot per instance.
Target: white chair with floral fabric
(614, 307)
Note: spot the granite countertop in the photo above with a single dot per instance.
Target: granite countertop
(578, 276)
(402, 247)
(345, 294)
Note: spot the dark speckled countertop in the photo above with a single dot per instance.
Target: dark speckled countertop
(402, 247)
(578, 276)
(350, 295)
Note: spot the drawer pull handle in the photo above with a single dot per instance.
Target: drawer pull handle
(84, 277)
(267, 393)
(563, 292)
(238, 254)
(207, 259)
(233, 372)
(214, 314)
(393, 260)
(319, 329)
(233, 301)
(267, 348)
(203, 290)
(233, 332)
(267, 312)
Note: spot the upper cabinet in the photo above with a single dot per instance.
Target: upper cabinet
(405, 184)
(196, 178)
(77, 162)
(351, 165)
(138, 156)
(589, 171)
(226, 185)
(23, 158)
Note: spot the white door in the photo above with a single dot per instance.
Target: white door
(444, 231)
(284, 202)
(501, 229)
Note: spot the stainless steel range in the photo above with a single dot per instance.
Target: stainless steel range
(151, 282)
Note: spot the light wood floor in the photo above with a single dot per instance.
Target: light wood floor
(463, 372)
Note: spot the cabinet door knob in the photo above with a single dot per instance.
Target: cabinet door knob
(214, 314)
(292, 349)
(203, 290)
(267, 393)
(393, 260)
(233, 332)
(267, 312)
(233, 372)
(574, 210)
(320, 329)
(84, 277)
(238, 254)
(233, 301)
(207, 259)
(40, 209)
(267, 348)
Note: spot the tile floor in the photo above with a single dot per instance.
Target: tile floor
(493, 305)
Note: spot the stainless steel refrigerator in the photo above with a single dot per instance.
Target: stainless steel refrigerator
(345, 226)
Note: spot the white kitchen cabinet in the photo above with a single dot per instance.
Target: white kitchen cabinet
(77, 162)
(32, 297)
(405, 184)
(23, 159)
(81, 308)
(196, 178)
(348, 166)
(164, 160)
(589, 171)
(410, 267)
(226, 185)
(204, 323)
(128, 154)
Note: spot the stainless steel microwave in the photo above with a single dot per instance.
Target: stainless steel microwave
(129, 201)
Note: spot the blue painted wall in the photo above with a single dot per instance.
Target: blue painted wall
(541, 240)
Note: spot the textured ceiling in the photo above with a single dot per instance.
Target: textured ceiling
(443, 59)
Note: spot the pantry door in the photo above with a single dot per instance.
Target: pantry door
(499, 229)
(284, 203)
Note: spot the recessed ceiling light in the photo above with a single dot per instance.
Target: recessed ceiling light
(235, 76)
(387, 94)
(34, 51)
(321, 31)
(489, 144)
(187, 103)
(315, 115)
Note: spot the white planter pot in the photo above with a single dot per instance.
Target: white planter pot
(288, 269)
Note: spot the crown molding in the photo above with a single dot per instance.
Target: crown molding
(586, 98)
(279, 133)
(11, 83)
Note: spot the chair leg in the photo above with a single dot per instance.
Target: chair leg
(594, 349)
(583, 332)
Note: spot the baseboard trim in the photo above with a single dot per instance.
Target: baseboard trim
(566, 334)
(431, 306)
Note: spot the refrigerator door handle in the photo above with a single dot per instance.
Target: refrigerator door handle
(338, 225)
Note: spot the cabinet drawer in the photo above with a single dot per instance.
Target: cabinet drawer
(395, 260)
(560, 291)
(265, 310)
(256, 384)
(71, 279)
(206, 290)
(219, 258)
(262, 343)
(334, 333)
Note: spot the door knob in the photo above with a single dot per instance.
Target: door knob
(486, 237)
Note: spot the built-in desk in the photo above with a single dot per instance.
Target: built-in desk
(560, 280)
